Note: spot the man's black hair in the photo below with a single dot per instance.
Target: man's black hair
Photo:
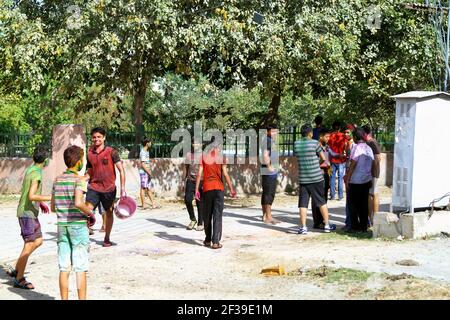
(271, 126)
(305, 130)
(367, 129)
(318, 120)
(358, 134)
(98, 130)
(40, 154)
(144, 141)
(323, 131)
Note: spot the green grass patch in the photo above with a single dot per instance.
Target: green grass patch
(346, 275)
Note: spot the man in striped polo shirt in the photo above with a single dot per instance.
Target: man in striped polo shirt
(311, 182)
(73, 218)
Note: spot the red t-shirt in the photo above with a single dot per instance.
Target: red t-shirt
(212, 172)
(101, 169)
(337, 145)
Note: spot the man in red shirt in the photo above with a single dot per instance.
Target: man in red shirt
(337, 159)
(213, 168)
(101, 166)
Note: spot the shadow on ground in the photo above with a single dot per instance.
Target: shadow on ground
(25, 294)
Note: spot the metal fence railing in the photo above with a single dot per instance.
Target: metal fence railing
(386, 139)
(22, 144)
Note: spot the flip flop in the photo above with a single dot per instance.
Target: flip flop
(216, 246)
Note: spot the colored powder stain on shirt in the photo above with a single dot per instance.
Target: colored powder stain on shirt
(63, 193)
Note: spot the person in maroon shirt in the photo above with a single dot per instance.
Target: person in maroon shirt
(101, 167)
(337, 159)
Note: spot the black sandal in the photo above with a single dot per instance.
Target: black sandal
(23, 284)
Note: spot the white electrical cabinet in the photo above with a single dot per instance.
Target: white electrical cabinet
(422, 150)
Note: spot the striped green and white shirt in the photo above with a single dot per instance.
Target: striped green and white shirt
(63, 193)
(307, 152)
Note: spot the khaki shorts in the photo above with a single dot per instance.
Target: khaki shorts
(374, 189)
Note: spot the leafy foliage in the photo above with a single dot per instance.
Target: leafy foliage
(161, 64)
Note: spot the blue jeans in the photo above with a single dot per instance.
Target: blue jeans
(340, 169)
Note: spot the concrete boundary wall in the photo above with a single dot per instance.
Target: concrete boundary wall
(167, 175)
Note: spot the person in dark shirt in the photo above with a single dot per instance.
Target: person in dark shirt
(316, 131)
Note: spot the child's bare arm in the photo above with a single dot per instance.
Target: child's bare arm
(52, 205)
(32, 194)
(80, 204)
(199, 178)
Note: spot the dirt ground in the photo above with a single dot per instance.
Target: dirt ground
(155, 257)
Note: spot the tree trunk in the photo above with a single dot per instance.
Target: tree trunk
(138, 108)
(272, 114)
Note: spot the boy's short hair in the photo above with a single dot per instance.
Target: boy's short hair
(72, 155)
(98, 130)
(318, 120)
(305, 130)
(40, 154)
(145, 140)
(359, 134)
(367, 129)
(323, 131)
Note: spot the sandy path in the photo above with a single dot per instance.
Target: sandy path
(157, 258)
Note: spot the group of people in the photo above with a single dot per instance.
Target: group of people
(73, 199)
(347, 155)
(352, 157)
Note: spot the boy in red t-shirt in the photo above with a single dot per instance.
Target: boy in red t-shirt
(337, 159)
(102, 162)
(213, 168)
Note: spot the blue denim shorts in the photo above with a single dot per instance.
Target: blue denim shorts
(73, 248)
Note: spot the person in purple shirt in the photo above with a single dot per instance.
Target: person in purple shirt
(359, 181)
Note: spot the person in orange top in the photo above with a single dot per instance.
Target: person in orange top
(213, 168)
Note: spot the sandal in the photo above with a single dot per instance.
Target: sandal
(191, 225)
(216, 246)
(23, 284)
(207, 243)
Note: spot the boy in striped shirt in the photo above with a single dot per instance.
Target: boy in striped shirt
(73, 219)
(311, 182)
